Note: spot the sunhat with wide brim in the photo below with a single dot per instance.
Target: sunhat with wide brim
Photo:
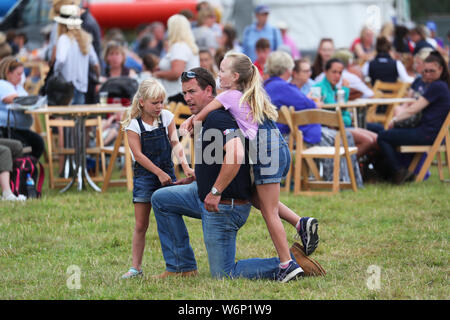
(69, 15)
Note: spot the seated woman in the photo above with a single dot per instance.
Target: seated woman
(9, 149)
(324, 53)
(301, 75)
(16, 122)
(365, 140)
(282, 93)
(115, 57)
(363, 47)
(434, 105)
(420, 83)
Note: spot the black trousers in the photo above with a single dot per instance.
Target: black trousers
(28, 138)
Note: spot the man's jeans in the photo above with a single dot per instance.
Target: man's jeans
(219, 233)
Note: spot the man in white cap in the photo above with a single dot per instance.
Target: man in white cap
(260, 29)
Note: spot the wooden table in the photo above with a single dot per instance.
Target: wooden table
(80, 113)
(385, 100)
(359, 107)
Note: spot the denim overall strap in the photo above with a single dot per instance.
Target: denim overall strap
(156, 146)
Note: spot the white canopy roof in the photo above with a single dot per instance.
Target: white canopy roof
(311, 20)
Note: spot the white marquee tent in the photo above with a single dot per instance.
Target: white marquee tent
(311, 20)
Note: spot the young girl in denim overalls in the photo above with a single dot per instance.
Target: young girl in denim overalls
(246, 100)
(148, 127)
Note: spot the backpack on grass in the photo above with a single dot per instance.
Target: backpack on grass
(21, 168)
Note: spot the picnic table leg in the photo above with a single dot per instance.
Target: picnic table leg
(68, 161)
(81, 128)
(361, 112)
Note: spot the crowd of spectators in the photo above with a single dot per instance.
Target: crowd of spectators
(76, 49)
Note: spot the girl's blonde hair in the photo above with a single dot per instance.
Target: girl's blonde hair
(179, 30)
(250, 83)
(148, 89)
(83, 38)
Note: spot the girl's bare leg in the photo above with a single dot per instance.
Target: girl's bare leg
(142, 214)
(283, 211)
(268, 195)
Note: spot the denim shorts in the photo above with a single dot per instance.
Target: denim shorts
(273, 156)
(144, 184)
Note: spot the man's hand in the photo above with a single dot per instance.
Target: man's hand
(212, 203)
(391, 124)
(345, 83)
(187, 180)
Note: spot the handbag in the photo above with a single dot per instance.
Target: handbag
(58, 90)
(411, 122)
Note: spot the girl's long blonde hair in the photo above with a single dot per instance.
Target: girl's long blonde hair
(179, 30)
(148, 89)
(250, 83)
(83, 38)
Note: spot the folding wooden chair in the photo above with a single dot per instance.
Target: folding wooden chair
(386, 90)
(36, 80)
(301, 176)
(284, 117)
(438, 146)
(53, 150)
(181, 113)
(122, 148)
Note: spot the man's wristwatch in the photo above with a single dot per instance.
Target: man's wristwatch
(215, 192)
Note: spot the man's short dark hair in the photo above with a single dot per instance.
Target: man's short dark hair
(204, 78)
(262, 44)
(330, 62)
(383, 45)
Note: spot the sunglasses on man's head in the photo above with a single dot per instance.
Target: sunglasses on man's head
(193, 75)
(189, 75)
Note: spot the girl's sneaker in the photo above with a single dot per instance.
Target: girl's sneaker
(132, 273)
(290, 273)
(308, 234)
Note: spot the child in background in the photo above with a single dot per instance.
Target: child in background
(148, 126)
(247, 101)
(263, 50)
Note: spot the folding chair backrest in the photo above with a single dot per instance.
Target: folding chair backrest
(323, 117)
(171, 106)
(181, 113)
(390, 90)
(284, 117)
(326, 118)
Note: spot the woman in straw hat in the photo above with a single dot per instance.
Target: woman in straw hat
(74, 51)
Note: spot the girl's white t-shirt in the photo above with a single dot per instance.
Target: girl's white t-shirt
(166, 117)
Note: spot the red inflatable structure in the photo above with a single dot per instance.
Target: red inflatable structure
(129, 14)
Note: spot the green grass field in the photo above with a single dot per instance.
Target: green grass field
(401, 231)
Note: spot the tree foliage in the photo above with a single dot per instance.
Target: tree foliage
(421, 8)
